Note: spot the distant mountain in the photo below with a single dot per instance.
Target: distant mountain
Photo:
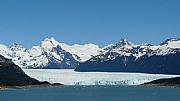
(127, 57)
(122, 56)
(12, 75)
(50, 54)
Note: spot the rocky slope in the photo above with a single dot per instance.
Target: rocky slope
(12, 75)
(165, 82)
(127, 57)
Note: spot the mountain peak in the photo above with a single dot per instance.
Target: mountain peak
(123, 42)
(49, 42)
(146, 44)
(170, 40)
(57, 48)
(17, 47)
(50, 39)
(108, 47)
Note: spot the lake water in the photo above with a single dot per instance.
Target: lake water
(92, 93)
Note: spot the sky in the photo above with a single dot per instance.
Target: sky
(101, 22)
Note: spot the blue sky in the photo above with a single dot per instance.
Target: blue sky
(101, 22)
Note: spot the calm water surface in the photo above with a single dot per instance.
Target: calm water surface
(92, 93)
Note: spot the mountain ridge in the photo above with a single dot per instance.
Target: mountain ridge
(50, 54)
(145, 58)
(53, 54)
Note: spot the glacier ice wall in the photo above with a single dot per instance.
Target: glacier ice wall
(70, 77)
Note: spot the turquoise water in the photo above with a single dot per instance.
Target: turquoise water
(92, 93)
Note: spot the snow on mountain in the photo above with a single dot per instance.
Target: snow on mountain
(122, 48)
(127, 57)
(84, 52)
(17, 47)
(123, 44)
(50, 54)
(5, 51)
(126, 48)
(48, 44)
(80, 52)
(108, 47)
(167, 47)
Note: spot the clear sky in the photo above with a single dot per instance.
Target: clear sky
(101, 22)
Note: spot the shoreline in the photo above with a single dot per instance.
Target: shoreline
(171, 82)
(28, 86)
(163, 85)
(50, 85)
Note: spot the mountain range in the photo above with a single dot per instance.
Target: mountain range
(50, 54)
(122, 56)
(127, 57)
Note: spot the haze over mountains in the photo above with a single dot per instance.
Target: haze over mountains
(90, 57)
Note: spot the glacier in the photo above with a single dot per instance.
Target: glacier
(71, 77)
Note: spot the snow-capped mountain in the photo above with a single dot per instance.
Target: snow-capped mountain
(50, 54)
(5, 51)
(127, 57)
(53, 54)
(126, 48)
(80, 52)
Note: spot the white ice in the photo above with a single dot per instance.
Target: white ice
(70, 77)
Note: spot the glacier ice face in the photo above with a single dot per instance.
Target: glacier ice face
(70, 77)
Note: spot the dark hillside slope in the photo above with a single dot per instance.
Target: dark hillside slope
(12, 75)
